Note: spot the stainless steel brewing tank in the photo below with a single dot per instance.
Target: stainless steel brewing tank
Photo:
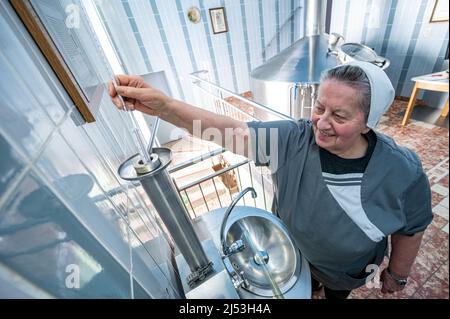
(288, 82)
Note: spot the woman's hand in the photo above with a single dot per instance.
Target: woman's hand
(138, 95)
(389, 285)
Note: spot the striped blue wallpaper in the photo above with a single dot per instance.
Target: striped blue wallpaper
(232, 22)
(411, 47)
(244, 29)
(388, 30)
(261, 24)
(366, 21)
(166, 40)
(277, 27)
(346, 16)
(399, 30)
(258, 29)
(186, 35)
(208, 33)
(167, 49)
(137, 35)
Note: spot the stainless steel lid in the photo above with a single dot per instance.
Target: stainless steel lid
(160, 159)
(359, 52)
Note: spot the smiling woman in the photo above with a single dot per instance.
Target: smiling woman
(341, 112)
(341, 187)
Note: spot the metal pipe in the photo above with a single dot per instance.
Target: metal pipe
(212, 175)
(152, 137)
(227, 213)
(165, 198)
(304, 86)
(313, 97)
(196, 160)
(136, 131)
(315, 17)
(220, 105)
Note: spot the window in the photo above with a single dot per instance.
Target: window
(63, 36)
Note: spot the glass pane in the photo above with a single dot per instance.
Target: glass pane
(70, 30)
(45, 243)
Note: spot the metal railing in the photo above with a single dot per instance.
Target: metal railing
(197, 194)
(212, 94)
(216, 189)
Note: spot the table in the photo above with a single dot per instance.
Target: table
(433, 82)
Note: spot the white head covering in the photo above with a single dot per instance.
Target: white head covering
(381, 91)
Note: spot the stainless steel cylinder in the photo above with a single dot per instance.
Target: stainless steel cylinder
(315, 17)
(165, 198)
(303, 96)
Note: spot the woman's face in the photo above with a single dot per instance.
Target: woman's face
(338, 120)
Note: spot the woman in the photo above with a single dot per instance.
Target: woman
(341, 188)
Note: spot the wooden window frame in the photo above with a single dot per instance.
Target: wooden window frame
(434, 19)
(36, 29)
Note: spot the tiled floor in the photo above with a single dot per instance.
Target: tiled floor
(429, 274)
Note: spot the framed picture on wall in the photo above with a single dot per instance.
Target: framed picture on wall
(440, 11)
(218, 20)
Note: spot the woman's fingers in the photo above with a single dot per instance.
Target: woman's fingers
(132, 92)
(117, 101)
(123, 79)
(129, 94)
(111, 90)
(130, 104)
(131, 80)
(114, 97)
